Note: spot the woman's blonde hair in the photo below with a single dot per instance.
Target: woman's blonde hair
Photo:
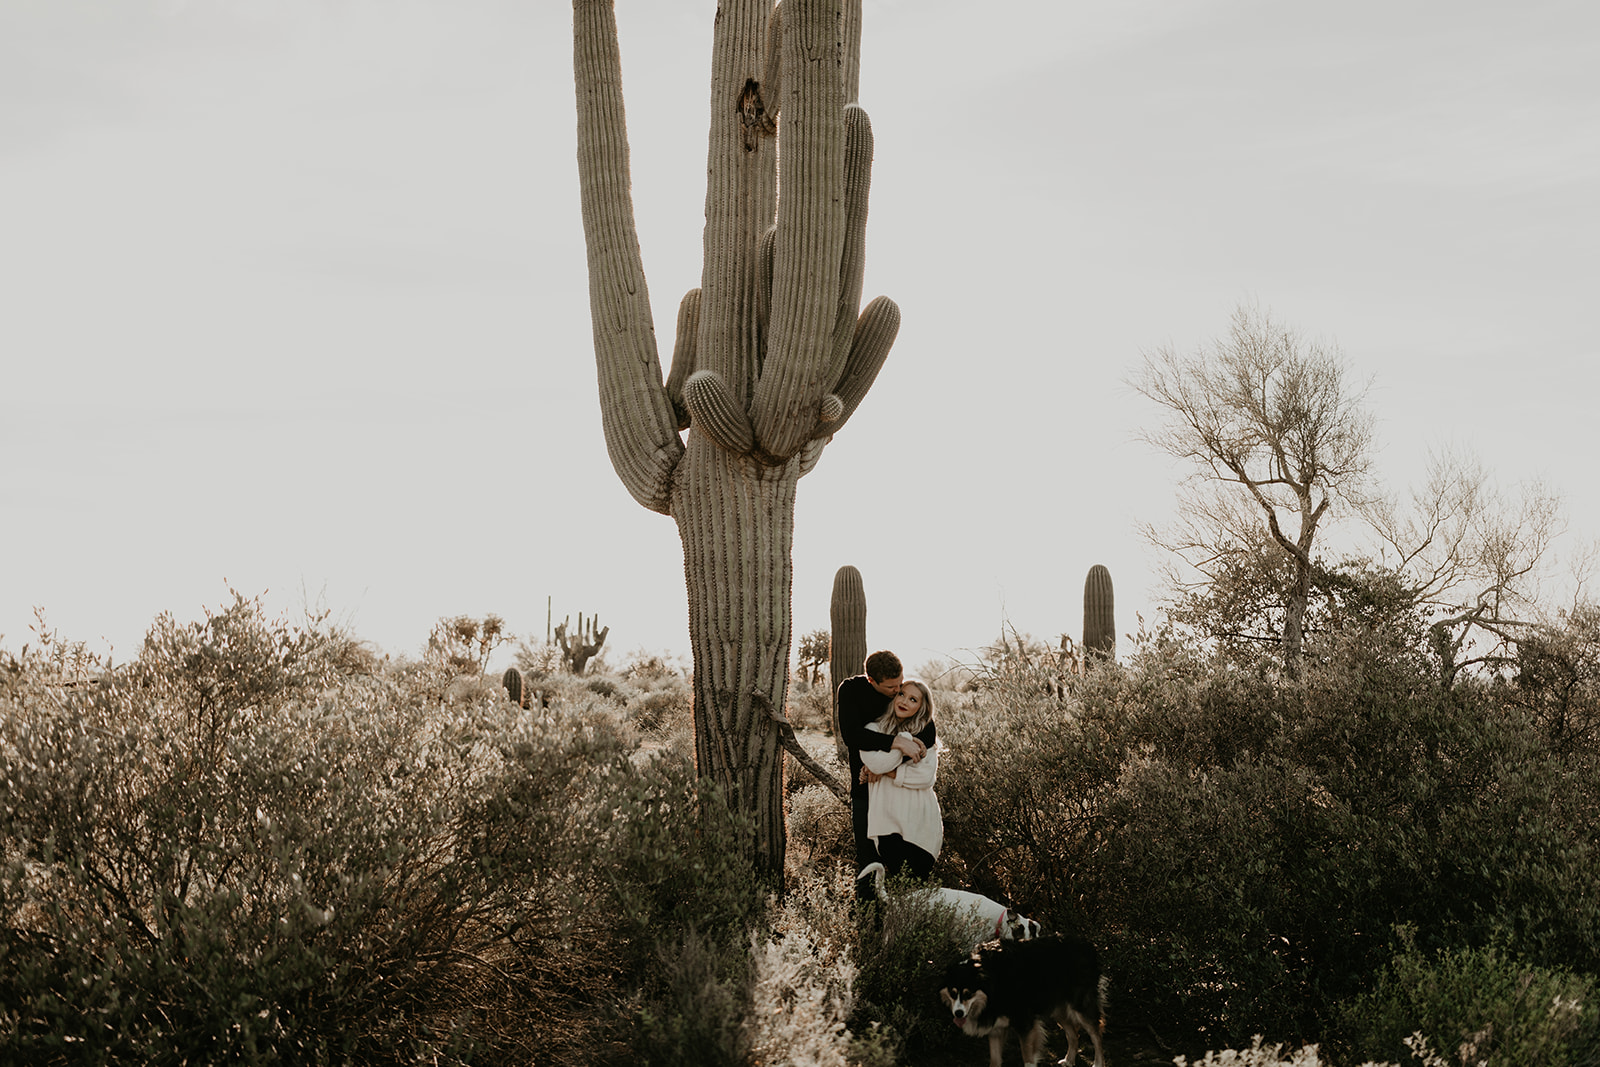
(914, 724)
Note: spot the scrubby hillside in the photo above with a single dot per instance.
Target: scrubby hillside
(259, 842)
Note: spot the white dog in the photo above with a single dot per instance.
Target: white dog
(989, 918)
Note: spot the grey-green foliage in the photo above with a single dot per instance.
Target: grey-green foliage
(1483, 1005)
(255, 844)
(1243, 843)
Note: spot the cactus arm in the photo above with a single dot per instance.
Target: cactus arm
(683, 354)
(810, 452)
(772, 80)
(811, 230)
(713, 412)
(640, 425)
(769, 242)
(857, 184)
(876, 330)
(874, 336)
(741, 193)
(852, 51)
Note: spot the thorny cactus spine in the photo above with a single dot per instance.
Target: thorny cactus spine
(1099, 615)
(848, 651)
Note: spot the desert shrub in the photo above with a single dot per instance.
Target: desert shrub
(694, 1015)
(1240, 844)
(237, 849)
(783, 997)
(820, 833)
(904, 947)
(1258, 1055)
(676, 858)
(537, 660)
(606, 687)
(1480, 1004)
(663, 712)
(811, 708)
(251, 844)
(684, 896)
(649, 668)
(803, 974)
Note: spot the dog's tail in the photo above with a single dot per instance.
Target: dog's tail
(877, 872)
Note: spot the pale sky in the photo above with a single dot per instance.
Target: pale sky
(293, 296)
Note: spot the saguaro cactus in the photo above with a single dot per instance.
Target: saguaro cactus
(1099, 615)
(578, 648)
(848, 614)
(771, 357)
(512, 680)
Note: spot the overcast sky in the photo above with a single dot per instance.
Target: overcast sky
(292, 293)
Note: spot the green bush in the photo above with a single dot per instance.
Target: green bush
(820, 832)
(811, 708)
(904, 946)
(1240, 844)
(256, 844)
(1476, 1006)
(666, 712)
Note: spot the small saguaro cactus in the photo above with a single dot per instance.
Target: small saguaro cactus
(848, 614)
(1099, 615)
(512, 680)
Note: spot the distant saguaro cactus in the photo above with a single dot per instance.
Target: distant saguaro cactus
(512, 680)
(848, 614)
(773, 351)
(1099, 615)
(582, 646)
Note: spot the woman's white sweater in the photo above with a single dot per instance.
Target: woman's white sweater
(905, 804)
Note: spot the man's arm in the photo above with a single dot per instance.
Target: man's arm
(856, 710)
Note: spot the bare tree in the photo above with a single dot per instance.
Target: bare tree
(1275, 433)
(1476, 559)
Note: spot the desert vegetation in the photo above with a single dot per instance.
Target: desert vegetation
(259, 841)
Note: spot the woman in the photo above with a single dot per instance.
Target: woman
(903, 816)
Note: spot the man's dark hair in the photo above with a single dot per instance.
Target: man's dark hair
(881, 666)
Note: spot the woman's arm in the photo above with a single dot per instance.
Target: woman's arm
(919, 775)
(880, 762)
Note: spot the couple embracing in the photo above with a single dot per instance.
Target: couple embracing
(886, 721)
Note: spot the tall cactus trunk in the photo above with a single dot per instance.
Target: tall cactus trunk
(772, 355)
(1099, 614)
(737, 523)
(847, 645)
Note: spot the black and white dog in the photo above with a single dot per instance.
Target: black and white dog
(989, 918)
(1017, 985)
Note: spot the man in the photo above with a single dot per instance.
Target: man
(864, 699)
